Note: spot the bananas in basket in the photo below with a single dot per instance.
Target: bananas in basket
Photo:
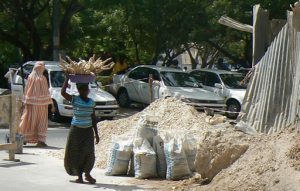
(83, 67)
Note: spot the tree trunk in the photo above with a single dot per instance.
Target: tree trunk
(204, 62)
(223, 51)
(137, 54)
(193, 61)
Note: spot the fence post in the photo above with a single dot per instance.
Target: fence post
(13, 125)
(150, 80)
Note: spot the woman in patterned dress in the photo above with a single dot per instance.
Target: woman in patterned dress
(80, 152)
(34, 121)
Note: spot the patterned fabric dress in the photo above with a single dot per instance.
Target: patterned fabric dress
(80, 153)
(34, 121)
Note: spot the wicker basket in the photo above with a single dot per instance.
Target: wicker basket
(78, 78)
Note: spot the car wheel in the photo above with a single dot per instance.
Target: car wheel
(55, 117)
(123, 99)
(233, 106)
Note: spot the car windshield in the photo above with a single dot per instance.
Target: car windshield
(233, 81)
(179, 79)
(58, 78)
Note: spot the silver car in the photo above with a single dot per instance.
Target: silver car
(226, 84)
(168, 82)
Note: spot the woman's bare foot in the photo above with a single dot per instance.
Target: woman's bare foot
(90, 179)
(79, 181)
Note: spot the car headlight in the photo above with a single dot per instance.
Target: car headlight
(66, 102)
(114, 102)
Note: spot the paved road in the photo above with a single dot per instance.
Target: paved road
(41, 172)
(58, 132)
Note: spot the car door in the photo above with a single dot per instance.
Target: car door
(135, 83)
(209, 83)
(144, 87)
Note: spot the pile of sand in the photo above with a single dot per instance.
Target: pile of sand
(294, 155)
(268, 164)
(218, 151)
(174, 114)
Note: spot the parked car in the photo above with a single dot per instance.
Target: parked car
(224, 83)
(168, 82)
(244, 71)
(106, 104)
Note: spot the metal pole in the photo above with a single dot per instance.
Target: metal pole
(56, 29)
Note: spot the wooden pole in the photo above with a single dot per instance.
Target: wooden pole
(13, 126)
(150, 80)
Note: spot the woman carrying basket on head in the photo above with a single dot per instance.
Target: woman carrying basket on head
(80, 154)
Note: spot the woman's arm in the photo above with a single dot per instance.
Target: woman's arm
(64, 89)
(95, 127)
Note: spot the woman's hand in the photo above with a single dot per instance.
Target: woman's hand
(97, 139)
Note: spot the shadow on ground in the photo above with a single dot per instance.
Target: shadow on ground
(43, 148)
(111, 186)
(117, 187)
(9, 164)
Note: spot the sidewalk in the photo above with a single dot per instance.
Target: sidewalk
(39, 172)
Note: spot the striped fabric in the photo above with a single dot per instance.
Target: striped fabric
(37, 89)
(34, 121)
(82, 112)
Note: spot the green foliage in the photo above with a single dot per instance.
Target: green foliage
(138, 31)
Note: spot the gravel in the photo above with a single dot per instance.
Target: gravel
(176, 117)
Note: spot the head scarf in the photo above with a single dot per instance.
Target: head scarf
(37, 89)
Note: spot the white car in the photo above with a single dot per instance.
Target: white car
(168, 82)
(226, 84)
(106, 104)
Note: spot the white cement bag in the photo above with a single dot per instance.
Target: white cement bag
(161, 164)
(144, 160)
(119, 157)
(177, 165)
(190, 150)
(147, 128)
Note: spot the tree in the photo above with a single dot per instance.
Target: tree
(27, 25)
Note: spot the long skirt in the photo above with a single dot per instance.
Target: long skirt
(34, 123)
(80, 153)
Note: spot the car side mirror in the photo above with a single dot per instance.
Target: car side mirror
(219, 86)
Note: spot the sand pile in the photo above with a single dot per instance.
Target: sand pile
(219, 150)
(268, 164)
(294, 155)
(175, 116)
